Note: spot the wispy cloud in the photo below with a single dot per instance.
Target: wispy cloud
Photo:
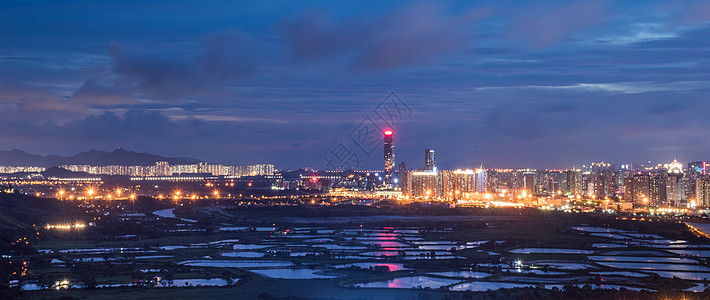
(641, 32)
(620, 88)
(546, 24)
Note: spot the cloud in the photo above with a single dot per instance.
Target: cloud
(107, 126)
(629, 76)
(616, 88)
(546, 25)
(28, 102)
(641, 32)
(685, 39)
(93, 92)
(222, 57)
(401, 38)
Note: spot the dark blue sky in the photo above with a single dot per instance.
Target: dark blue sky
(499, 83)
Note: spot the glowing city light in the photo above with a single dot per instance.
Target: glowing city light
(67, 226)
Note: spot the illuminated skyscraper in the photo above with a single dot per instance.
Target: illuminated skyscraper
(429, 161)
(405, 181)
(674, 190)
(481, 181)
(389, 155)
(697, 168)
(641, 186)
(574, 182)
(529, 182)
(425, 184)
(456, 184)
(702, 192)
(675, 167)
(658, 190)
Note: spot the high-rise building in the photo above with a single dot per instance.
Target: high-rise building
(658, 190)
(405, 181)
(640, 188)
(610, 186)
(702, 191)
(454, 184)
(687, 191)
(585, 184)
(162, 168)
(529, 182)
(697, 168)
(429, 160)
(602, 183)
(627, 167)
(675, 167)
(389, 155)
(574, 182)
(447, 184)
(597, 166)
(596, 185)
(673, 191)
(620, 181)
(497, 181)
(424, 184)
(481, 181)
(555, 181)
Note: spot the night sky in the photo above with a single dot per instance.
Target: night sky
(498, 83)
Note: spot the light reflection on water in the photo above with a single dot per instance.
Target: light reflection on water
(462, 274)
(392, 267)
(293, 274)
(236, 263)
(479, 286)
(655, 266)
(409, 283)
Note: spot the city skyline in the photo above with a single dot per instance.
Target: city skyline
(621, 165)
(268, 82)
(186, 149)
(414, 163)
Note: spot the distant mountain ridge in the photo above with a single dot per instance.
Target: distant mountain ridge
(119, 157)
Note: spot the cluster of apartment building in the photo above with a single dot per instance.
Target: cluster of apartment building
(163, 168)
(662, 185)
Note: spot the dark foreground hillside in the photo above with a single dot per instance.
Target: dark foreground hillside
(19, 212)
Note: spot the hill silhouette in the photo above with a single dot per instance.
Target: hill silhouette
(119, 156)
(21, 211)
